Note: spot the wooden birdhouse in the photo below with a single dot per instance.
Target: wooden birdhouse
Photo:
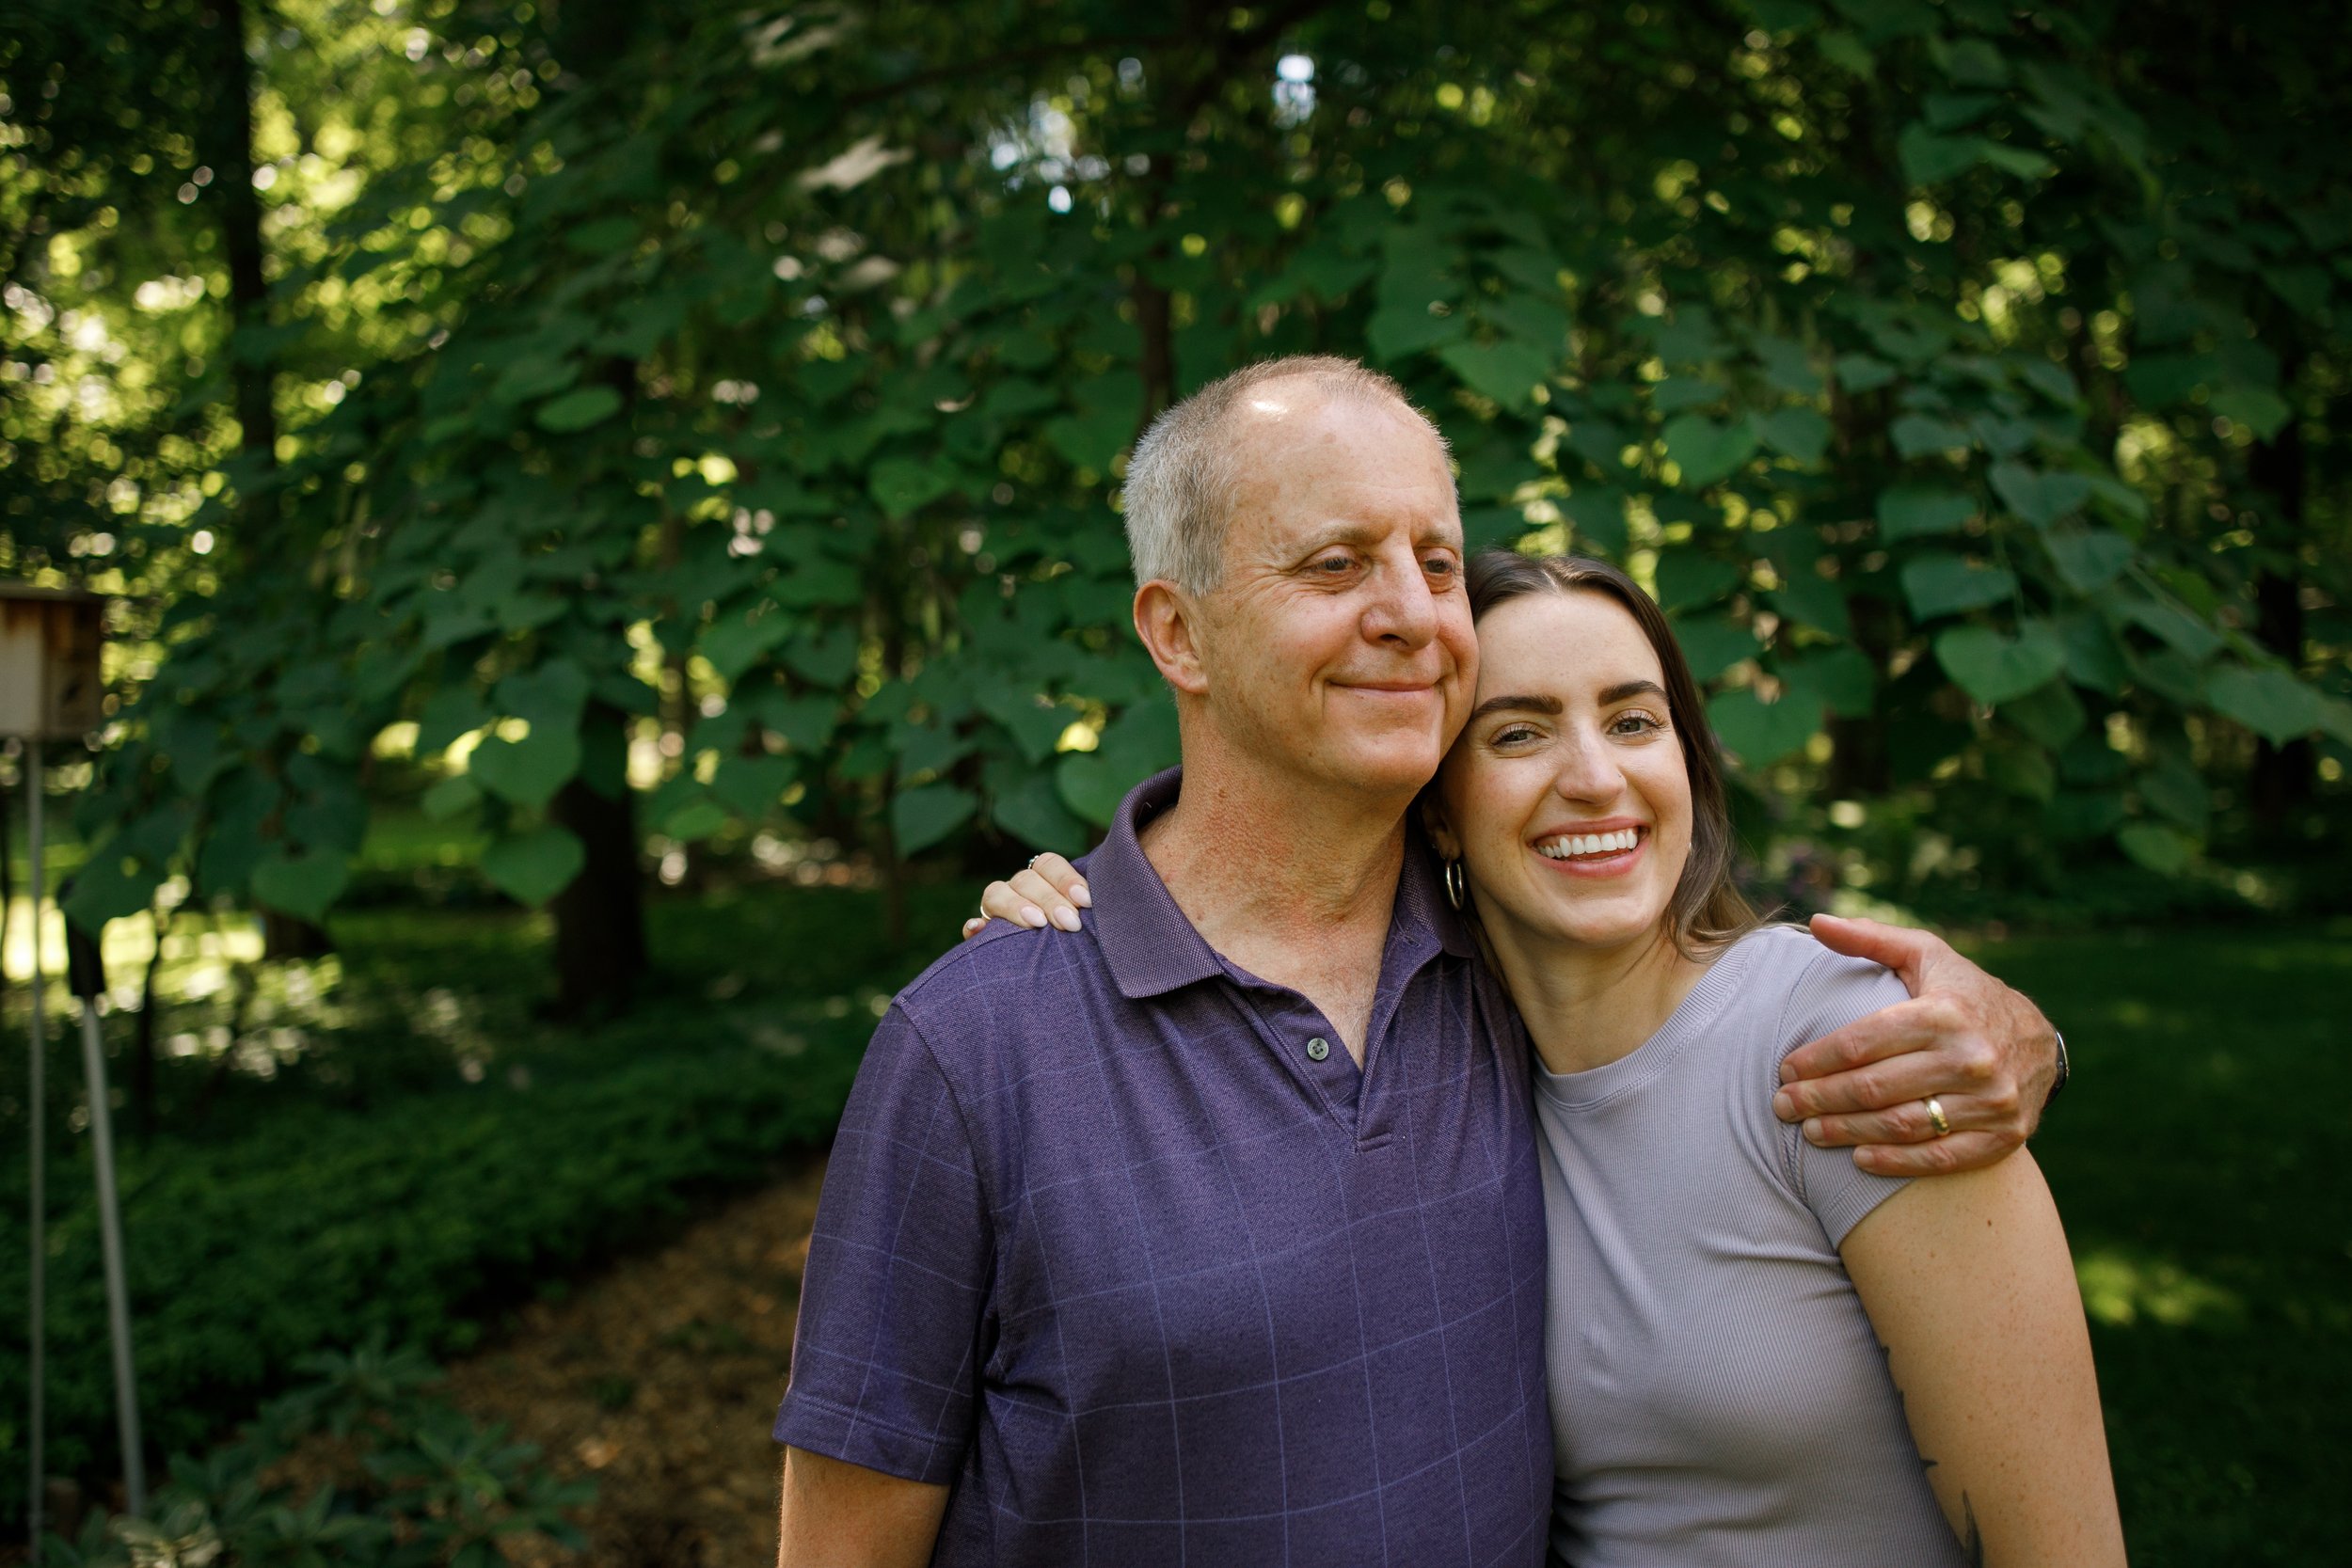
(50, 685)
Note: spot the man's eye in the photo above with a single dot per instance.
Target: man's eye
(1442, 565)
(1332, 565)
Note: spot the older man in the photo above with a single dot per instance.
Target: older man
(1213, 1233)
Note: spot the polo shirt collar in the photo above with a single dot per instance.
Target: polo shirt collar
(1153, 949)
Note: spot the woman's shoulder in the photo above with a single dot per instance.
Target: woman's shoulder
(1805, 989)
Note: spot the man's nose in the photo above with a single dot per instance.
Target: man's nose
(1404, 610)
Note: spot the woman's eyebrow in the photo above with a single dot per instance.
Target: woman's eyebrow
(1550, 706)
(1623, 690)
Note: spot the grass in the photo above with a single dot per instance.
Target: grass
(2199, 1159)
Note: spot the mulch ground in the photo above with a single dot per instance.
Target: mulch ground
(659, 1380)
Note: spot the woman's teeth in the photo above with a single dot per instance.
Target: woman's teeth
(1572, 845)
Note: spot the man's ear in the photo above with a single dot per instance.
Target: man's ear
(1168, 620)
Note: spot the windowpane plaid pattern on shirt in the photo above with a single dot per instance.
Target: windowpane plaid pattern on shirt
(1110, 1249)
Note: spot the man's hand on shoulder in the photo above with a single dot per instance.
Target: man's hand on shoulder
(1984, 1053)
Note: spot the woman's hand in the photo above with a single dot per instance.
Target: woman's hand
(1049, 893)
(1985, 1052)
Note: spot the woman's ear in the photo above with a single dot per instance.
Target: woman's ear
(1441, 835)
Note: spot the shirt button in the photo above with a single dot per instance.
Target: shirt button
(1317, 1049)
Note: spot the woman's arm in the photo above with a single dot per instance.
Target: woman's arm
(1969, 1282)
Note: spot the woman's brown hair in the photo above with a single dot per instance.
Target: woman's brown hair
(1707, 909)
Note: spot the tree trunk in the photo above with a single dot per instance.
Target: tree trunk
(2281, 783)
(600, 918)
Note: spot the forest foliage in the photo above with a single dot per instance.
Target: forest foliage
(659, 424)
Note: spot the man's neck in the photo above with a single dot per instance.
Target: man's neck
(1292, 882)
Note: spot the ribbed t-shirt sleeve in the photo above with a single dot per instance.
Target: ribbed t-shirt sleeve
(1831, 993)
(883, 1362)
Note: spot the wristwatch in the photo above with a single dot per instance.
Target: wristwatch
(2060, 1082)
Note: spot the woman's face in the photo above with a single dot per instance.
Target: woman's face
(1566, 796)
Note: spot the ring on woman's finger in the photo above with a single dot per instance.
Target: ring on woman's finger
(1936, 1117)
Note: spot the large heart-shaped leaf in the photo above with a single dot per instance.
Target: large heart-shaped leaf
(578, 409)
(1799, 432)
(1993, 668)
(1708, 450)
(2091, 559)
(1506, 369)
(1758, 732)
(301, 885)
(527, 772)
(532, 867)
(1906, 511)
(921, 817)
(2271, 702)
(902, 485)
(1945, 585)
(2041, 499)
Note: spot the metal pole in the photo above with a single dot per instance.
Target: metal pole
(117, 1284)
(36, 1094)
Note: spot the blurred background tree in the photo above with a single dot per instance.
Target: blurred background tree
(553, 452)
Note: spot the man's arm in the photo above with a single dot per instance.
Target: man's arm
(841, 1516)
(1985, 1052)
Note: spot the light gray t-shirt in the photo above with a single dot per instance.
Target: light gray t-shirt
(1717, 1394)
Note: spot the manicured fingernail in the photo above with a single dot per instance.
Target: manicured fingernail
(1066, 917)
(1033, 917)
(1784, 1104)
(1080, 896)
(1814, 1132)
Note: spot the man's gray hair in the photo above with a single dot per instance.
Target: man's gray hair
(1180, 480)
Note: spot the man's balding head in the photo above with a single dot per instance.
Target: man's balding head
(1186, 471)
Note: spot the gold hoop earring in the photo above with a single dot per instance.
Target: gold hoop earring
(1457, 884)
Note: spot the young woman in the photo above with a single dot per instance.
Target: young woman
(1758, 1353)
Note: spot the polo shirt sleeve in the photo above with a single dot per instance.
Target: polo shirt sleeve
(1833, 991)
(885, 1360)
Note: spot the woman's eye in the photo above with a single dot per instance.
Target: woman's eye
(1634, 723)
(1512, 735)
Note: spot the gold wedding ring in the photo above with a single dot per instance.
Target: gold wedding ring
(1936, 1117)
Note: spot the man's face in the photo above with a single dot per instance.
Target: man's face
(1339, 644)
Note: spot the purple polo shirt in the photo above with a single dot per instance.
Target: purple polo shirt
(1119, 1244)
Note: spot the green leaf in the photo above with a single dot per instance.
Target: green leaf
(303, 885)
(578, 410)
(1396, 332)
(902, 485)
(2188, 636)
(550, 696)
(1091, 786)
(527, 772)
(2175, 790)
(1862, 373)
(921, 817)
(1943, 584)
(2041, 499)
(1035, 723)
(735, 643)
(448, 713)
(2269, 702)
(1706, 450)
(2051, 714)
(1814, 601)
(1760, 733)
(1994, 669)
(1093, 439)
(108, 886)
(2093, 658)
(1800, 433)
(452, 796)
(2091, 559)
(1035, 814)
(1841, 678)
(1712, 645)
(1686, 578)
(752, 785)
(532, 867)
(1506, 369)
(1598, 515)
(2023, 770)
(1908, 510)
(1917, 435)
(2162, 850)
(2258, 408)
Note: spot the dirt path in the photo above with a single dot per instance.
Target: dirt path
(659, 1380)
